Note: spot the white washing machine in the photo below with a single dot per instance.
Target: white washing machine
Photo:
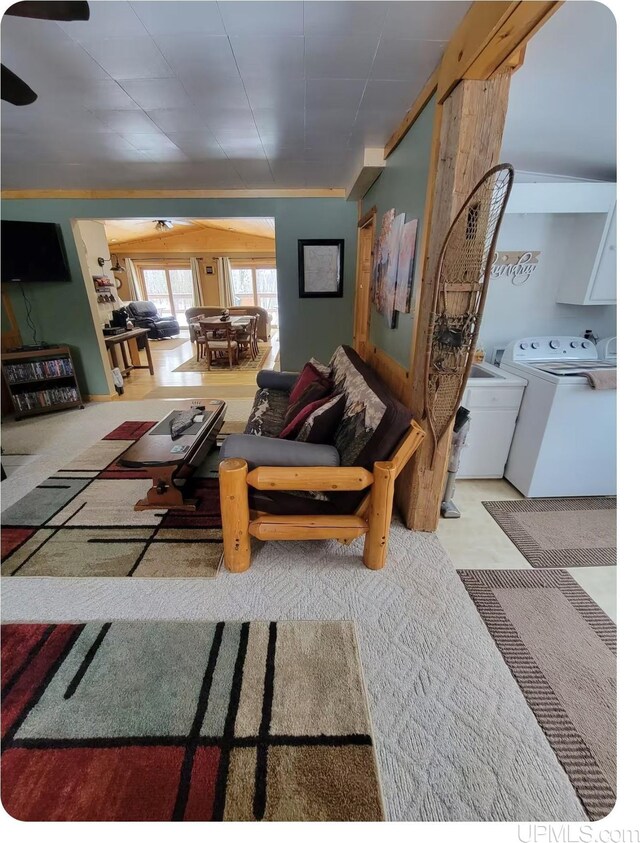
(564, 443)
(608, 349)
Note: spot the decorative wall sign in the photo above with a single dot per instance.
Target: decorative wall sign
(209, 270)
(518, 266)
(320, 268)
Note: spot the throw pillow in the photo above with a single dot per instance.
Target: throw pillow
(307, 376)
(314, 392)
(292, 429)
(324, 370)
(319, 427)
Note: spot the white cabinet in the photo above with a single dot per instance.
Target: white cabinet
(598, 285)
(493, 398)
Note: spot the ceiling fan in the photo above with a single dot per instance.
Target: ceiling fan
(14, 89)
(167, 225)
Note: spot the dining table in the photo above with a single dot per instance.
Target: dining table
(238, 323)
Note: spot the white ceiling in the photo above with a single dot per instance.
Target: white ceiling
(214, 95)
(562, 104)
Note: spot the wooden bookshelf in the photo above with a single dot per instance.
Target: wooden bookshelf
(41, 381)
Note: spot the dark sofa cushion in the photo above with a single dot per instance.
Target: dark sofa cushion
(267, 414)
(374, 421)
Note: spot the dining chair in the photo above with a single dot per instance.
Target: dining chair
(247, 339)
(221, 344)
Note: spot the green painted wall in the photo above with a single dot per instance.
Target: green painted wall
(309, 327)
(402, 185)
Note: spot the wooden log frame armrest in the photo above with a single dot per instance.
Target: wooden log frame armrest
(371, 519)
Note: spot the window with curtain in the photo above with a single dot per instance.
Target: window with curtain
(256, 284)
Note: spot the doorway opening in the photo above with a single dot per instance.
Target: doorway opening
(182, 270)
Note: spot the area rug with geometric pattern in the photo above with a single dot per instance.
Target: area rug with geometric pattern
(81, 521)
(244, 364)
(559, 532)
(561, 649)
(134, 721)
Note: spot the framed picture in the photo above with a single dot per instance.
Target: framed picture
(320, 268)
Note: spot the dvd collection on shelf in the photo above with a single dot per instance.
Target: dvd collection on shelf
(24, 372)
(45, 398)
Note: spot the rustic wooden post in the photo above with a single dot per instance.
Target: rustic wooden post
(234, 507)
(380, 509)
(470, 140)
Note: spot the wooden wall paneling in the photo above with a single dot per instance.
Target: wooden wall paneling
(362, 306)
(473, 119)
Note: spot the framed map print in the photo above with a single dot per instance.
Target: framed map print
(320, 268)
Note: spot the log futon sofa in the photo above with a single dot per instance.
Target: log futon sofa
(275, 488)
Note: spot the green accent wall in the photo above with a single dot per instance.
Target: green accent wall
(402, 185)
(309, 327)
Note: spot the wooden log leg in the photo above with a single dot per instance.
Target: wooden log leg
(380, 508)
(234, 507)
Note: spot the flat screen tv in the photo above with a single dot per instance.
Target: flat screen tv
(33, 251)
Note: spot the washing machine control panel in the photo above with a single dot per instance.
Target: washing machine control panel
(536, 349)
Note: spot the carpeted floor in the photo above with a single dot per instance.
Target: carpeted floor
(455, 737)
(560, 646)
(560, 532)
(246, 364)
(251, 721)
(81, 521)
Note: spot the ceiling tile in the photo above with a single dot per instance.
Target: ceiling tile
(339, 56)
(108, 18)
(36, 61)
(198, 146)
(209, 97)
(343, 17)
(157, 93)
(129, 58)
(105, 94)
(406, 58)
(289, 173)
(240, 146)
(265, 92)
(177, 119)
(149, 141)
(262, 18)
(270, 120)
(275, 56)
(382, 95)
(205, 58)
(232, 121)
(254, 173)
(127, 121)
(433, 21)
(334, 94)
(162, 18)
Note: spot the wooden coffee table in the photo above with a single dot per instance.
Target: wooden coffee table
(156, 454)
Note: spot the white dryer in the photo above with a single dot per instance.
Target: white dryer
(564, 443)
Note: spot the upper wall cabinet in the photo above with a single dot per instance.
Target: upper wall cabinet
(598, 286)
(587, 215)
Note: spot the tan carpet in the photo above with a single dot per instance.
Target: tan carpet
(561, 649)
(246, 364)
(560, 532)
